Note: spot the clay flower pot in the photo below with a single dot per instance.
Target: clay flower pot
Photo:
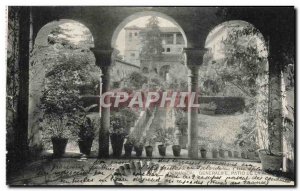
(128, 149)
(203, 153)
(176, 150)
(138, 150)
(215, 154)
(149, 150)
(270, 162)
(59, 146)
(85, 146)
(162, 150)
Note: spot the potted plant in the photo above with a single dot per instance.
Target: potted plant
(162, 149)
(58, 134)
(270, 161)
(221, 145)
(120, 123)
(60, 104)
(161, 136)
(215, 153)
(243, 155)
(138, 147)
(117, 132)
(149, 147)
(236, 154)
(222, 153)
(203, 152)
(176, 150)
(86, 136)
(128, 146)
(175, 146)
(182, 124)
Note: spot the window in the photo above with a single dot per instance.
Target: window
(168, 50)
(135, 34)
(167, 38)
(132, 54)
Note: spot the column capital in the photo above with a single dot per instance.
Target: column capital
(103, 56)
(194, 56)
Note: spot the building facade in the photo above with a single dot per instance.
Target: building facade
(172, 43)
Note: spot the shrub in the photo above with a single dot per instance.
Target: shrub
(208, 106)
(60, 100)
(181, 122)
(121, 121)
(86, 130)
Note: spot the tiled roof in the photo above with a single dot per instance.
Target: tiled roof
(162, 29)
(134, 28)
(169, 29)
(170, 58)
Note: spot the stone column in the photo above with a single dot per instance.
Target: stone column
(275, 107)
(194, 58)
(21, 129)
(104, 60)
(174, 38)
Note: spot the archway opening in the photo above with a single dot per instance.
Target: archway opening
(148, 47)
(234, 88)
(63, 79)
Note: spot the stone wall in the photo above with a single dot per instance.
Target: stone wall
(120, 71)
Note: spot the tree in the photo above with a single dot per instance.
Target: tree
(151, 41)
(243, 61)
(136, 80)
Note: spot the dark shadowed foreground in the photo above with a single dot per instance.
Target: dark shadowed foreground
(144, 172)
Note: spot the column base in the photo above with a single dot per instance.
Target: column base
(193, 152)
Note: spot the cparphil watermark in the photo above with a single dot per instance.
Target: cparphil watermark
(149, 99)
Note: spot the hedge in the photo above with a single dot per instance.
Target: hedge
(225, 105)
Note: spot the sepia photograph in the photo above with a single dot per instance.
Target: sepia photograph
(150, 96)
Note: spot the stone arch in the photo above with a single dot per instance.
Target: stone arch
(37, 73)
(262, 80)
(44, 31)
(233, 23)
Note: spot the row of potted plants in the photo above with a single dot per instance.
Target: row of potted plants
(221, 153)
(147, 143)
